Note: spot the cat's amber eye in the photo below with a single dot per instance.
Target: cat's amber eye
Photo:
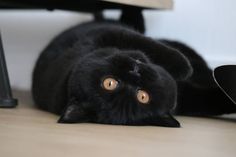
(143, 97)
(110, 84)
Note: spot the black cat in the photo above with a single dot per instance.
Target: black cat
(105, 72)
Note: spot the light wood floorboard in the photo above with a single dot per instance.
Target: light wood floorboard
(29, 132)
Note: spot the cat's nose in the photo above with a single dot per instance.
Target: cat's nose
(138, 61)
(135, 71)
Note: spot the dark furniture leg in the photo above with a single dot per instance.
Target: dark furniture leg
(6, 100)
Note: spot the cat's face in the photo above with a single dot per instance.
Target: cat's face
(114, 87)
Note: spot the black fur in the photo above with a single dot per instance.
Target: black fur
(68, 74)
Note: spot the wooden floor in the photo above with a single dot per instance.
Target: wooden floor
(29, 132)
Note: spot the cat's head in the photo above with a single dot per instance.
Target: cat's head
(120, 87)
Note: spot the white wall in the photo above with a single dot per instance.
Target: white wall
(26, 33)
(208, 26)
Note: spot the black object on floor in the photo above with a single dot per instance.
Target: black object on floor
(225, 77)
(6, 100)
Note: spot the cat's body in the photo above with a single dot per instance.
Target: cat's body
(68, 76)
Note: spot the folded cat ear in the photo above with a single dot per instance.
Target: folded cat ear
(166, 120)
(73, 114)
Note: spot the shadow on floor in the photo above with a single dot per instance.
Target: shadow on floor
(228, 118)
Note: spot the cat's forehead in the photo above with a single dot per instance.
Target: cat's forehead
(134, 72)
(129, 56)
